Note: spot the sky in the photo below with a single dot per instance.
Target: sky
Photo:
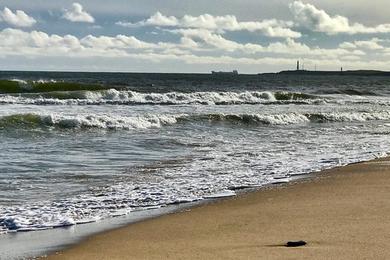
(183, 36)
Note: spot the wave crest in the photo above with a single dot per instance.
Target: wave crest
(86, 121)
(23, 86)
(117, 97)
(297, 118)
(156, 121)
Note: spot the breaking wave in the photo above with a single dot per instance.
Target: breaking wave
(41, 85)
(85, 121)
(349, 91)
(117, 97)
(157, 121)
(297, 118)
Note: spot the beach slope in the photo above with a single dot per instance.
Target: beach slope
(342, 213)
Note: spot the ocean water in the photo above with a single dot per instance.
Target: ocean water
(74, 153)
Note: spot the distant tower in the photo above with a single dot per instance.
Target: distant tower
(341, 69)
(298, 65)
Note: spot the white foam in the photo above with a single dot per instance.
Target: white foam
(282, 119)
(301, 118)
(20, 81)
(113, 96)
(354, 116)
(165, 188)
(41, 81)
(222, 194)
(226, 158)
(95, 121)
(109, 122)
(112, 121)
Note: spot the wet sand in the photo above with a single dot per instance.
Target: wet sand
(342, 213)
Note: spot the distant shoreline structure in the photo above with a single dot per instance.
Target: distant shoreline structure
(3, 73)
(310, 73)
(300, 70)
(234, 72)
(332, 73)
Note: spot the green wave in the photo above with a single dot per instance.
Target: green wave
(61, 95)
(21, 121)
(9, 87)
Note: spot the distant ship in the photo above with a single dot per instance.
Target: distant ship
(234, 72)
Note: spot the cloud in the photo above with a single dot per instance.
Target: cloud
(77, 14)
(196, 46)
(305, 15)
(15, 41)
(119, 42)
(18, 19)
(270, 28)
(36, 43)
(347, 45)
(192, 41)
(312, 18)
(372, 45)
(160, 20)
(204, 40)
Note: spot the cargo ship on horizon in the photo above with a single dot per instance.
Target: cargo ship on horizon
(234, 72)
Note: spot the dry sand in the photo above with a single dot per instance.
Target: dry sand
(343, 214)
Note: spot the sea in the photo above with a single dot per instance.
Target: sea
(81, 148)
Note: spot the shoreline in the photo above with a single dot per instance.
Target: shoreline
(40, 243)
(341, 212)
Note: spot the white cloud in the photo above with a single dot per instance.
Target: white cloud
(161, 20)
(77, 14)
(15, 41)
(372, 45)
(119, 42)
(205, 40)
(305, 15)
(270, 28)
(347, 45)
(36, 43)
(196, 46)
(18, 19)
(318, 20)
(199, 41)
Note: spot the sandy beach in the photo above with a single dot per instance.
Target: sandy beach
(342, 214)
